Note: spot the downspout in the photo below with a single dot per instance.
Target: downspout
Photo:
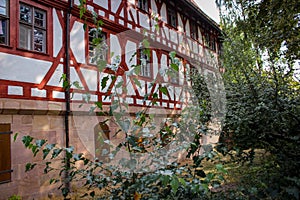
(67, 89)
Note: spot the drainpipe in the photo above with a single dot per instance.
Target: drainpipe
(67, 89)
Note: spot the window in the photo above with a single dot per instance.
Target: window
(4, 22)
(174, 74)
(194, 31)
(5, 153)
(97, 46)
(32, 32)
(172, 18)
(143, 5)
(145, 62)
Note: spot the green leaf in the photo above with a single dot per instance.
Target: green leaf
(125, 125)
(174, 184)
(137, 82)
(164, 90)
(172, 54)
(27, 141)
(175, 67)
(55, 153)
(99, 105)
(29, 166)
(15, 136)
(104, 82)
(92, 194)
(146, 43)
(40, 143)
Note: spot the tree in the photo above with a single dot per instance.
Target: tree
(263, 95)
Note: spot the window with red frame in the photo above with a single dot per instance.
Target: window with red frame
(143, 5)
(97, 46)
(144, 61)
(172, 17)
(194, 30)
(32, 28)
(4, 22)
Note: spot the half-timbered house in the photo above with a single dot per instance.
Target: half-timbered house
(42, 39)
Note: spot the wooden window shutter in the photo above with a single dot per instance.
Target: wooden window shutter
(5, 153)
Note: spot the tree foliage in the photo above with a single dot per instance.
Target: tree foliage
(260, 53)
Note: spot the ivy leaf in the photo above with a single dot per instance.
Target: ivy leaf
(40, 143)
(29, 166)
(27, 140)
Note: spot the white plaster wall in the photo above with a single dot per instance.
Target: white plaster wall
(133, 11)
(180, 24)
(55, 78)
(115, 5)
(102, 3)
(90, 77)
(74, 77)
(142, 89)
(155, 64)
(187, 28)
(18, 68)
(163, 13)
(57, 34)
(153, 7)
(130, 89)
(130, 49)
(77, 42)
(14, 90)
(164, 64)
(166, 30)
(35, 92)
(174, 37)
(115, 46)
(144, 20)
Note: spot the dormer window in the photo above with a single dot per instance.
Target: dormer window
(4, 22)
(143, 5)
(172, 17)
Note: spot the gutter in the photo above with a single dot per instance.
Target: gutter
(67, 89)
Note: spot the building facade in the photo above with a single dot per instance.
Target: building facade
(42, 39)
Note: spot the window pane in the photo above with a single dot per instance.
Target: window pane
(97, 46)
(3, 3)
(25, 13)
(40, 18)
(3, 7)
(3, 31)
(25, 37)
(39, 40)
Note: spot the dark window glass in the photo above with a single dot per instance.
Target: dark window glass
(4, 22)
(32, 31)
(172, 17)
(97, 46)
(143, 4)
